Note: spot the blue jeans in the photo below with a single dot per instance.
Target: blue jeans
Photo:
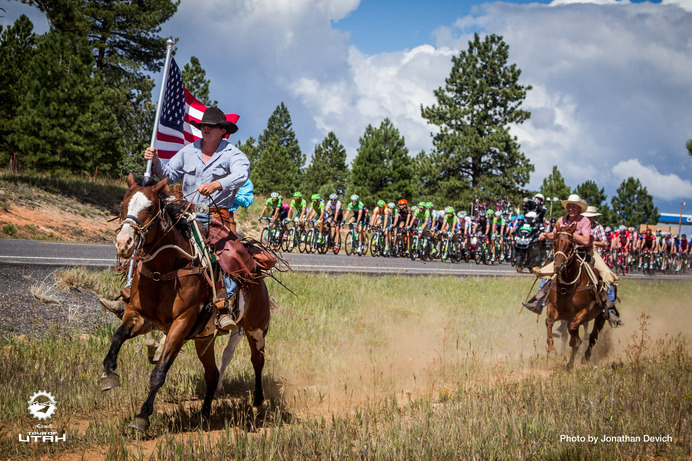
(229, 282)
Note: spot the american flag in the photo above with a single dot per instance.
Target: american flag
(178, 109)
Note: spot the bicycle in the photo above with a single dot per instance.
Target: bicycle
(377, 242)
(270, 236)
(353, 243)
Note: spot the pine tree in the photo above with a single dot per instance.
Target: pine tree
(279, 125)
(17, 48)
(327, 173)
(274, 170)
(250, 149)
(554, 187)
(382, 169)
(589, 191)
(64, 122)
(473, 148)
(633, 205)
(126, 45)
(194, 79)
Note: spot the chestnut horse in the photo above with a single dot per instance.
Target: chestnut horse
(573, 296)
(171, 293)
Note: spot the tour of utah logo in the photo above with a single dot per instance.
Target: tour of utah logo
(42, 406)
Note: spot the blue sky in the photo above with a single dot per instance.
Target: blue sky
(612, 80)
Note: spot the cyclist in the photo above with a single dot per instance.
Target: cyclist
(334, 214)
(450, 222)
(277, 211)
(621, 239)
(380, 214)
(299, 209)
(360, 216)
(389, 224)
(497, 233)
(316, 213)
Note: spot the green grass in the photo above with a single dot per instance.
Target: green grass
(379, 368)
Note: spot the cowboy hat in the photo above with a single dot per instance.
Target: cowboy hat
(214, 116)
(576, 200)
(591, 212)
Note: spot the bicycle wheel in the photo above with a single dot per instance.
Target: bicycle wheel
(364, 245)
(423, 250)
(375, 245)
(413, 250)
(348, 244)
(288, 241)
(323, 245)
(310, 241)
(302, 241)
(444, 250)
(264, 237)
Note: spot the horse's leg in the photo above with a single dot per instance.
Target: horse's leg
(131, 326)
(550, 318)
(597, 326)
(171, 347)
(205, 352)
(255, 339)
(575, 340)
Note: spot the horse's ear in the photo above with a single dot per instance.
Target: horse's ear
(131, 181)
(161, 185)
(572, 227)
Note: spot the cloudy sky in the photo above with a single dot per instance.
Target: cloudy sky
(612, 80)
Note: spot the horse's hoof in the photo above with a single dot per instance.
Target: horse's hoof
(140, 424)
(109, 381)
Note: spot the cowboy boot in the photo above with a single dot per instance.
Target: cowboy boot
(116, 307)
(609, 311)
(224, 319)
(535, 304)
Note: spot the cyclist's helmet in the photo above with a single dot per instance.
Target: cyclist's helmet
(414, 208)
(391, 205)
(512, 218)
(490, 212)
(481, 213)
(297, 195)
(608, 229)
(449, 210)
(429, 205)
(421, 205)
(354, 198)
(520, 217)
(648, 231)
(380, 203)
(631, 229)
(675, 236)
(622, 228)
(540, 196)
(315, 197)
(403, 201)
(333, 197)
(683, 236)
(275, 195)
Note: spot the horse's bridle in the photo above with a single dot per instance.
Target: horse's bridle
(141, 230)
(568, 259)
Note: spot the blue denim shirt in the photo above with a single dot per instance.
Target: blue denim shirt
(228, 165)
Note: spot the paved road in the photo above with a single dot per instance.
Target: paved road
(31, 252)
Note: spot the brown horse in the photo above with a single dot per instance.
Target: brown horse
(171, 293)
(573, 296)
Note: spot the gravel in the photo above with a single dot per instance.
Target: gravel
(65, 311)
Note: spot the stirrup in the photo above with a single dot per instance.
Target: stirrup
(224, 319)
(116, 307)
(535, 307)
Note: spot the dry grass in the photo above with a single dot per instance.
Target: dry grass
(382, 368)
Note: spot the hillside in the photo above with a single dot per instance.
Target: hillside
(73, 210)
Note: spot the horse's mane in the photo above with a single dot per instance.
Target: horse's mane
(175, 209)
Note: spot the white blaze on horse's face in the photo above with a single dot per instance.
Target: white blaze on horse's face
(126, 240)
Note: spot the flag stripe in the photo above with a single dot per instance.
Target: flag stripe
(179, 107)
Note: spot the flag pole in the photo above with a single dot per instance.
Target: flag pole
(147, 173)
(169, 45)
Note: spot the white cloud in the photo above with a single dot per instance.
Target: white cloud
(662, 186)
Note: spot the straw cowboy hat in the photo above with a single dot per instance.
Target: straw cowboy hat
(214, 116)
(576, 200)
(591, 212)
